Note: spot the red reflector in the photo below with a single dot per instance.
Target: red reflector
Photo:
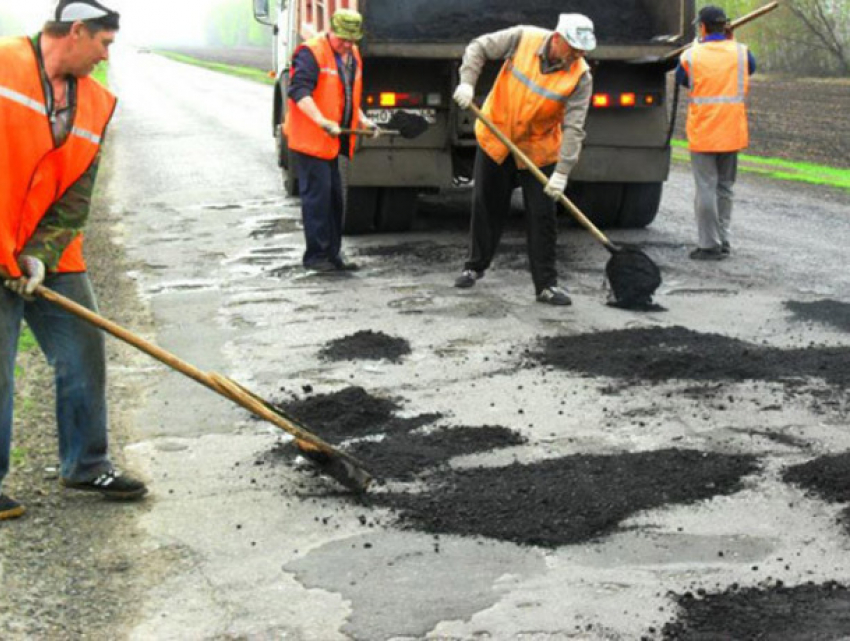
(627, 100)
(601, 100)
(649, 99)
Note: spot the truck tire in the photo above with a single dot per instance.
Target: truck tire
(640, 204)
(286, 161)
(360, 204)
(600, 202)
(616, 205)
(397, 209)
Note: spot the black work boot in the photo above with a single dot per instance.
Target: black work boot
(10, 508)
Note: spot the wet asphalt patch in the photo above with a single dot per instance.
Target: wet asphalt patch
(403, 456)
(799, 613)
(366, 345)
(827, 477)
(568, 500)
(659, 354)
(828, 312)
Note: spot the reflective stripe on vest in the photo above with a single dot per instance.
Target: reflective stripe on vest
(302, 133)
(37, 174)
(527, 105)
(719, 83)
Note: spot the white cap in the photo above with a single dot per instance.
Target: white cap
(73, 10)
(577, 30)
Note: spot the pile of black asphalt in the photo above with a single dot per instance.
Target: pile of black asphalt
(366, 345)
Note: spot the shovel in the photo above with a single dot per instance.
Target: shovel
(342, 467)
(631, 273)
(402, 123)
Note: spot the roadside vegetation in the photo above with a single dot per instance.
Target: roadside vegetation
(242, 72)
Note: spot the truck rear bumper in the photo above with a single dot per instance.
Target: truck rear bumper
(622, 164)
(401, 168)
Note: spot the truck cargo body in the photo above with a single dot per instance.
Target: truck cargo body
(411, 56)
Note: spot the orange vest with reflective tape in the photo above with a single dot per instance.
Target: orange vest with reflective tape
(35, 173)
(304, 135)
(527, 105)
(719, 83)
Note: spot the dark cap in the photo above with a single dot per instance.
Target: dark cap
(710, 14)
(84, 10)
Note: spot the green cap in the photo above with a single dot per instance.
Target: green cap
(347, 24)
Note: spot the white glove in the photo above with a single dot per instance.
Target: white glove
(464, 94)
(330, 127)
(368, 123)
(556, 185)
(34, 273)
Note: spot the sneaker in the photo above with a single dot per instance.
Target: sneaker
(343, 265)
(468, 277)
(112, 485)
(725, 248)
(708, 254)
(554, 296)
(10, 508)
(321, 267)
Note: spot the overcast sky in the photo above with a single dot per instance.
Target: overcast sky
(142, 21)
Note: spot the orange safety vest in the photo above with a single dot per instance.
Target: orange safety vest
(36, 173)
(302, 134)
(527, 105)
(719, 83)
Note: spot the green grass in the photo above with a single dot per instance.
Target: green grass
(780, 169)
(26, 342)
(243, 72)
(100, 73)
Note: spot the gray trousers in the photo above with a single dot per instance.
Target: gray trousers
(714, 175)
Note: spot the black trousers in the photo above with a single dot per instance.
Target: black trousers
(320, 188)
(491, 204)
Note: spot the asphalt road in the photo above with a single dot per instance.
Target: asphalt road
(261, 551)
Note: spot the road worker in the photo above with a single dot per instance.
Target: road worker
(53, 118)
(717, 71)
(539, 101)
(325, 89)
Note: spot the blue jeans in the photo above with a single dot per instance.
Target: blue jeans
(75, 350)
(320, 187)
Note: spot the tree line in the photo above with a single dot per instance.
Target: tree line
(805, 37)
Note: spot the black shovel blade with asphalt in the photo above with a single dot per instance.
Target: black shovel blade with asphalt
(328, 460)
(632, 275)
(401, 123)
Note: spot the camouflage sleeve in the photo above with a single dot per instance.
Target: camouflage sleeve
(64, 221)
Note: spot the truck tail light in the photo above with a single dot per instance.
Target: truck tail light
(626, 99)
(601, 100)
(394, 99)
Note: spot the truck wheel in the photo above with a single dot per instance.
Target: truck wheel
(397, 209)
(640, 204)
(361, 207)
(286, 161)
(600, 202)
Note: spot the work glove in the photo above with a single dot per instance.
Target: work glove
(368, 123)
(34, 272)
(464, 94)
(330, 127)
(556, 185)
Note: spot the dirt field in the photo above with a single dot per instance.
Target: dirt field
(799, 119)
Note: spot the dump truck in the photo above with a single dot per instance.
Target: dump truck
(412, 51)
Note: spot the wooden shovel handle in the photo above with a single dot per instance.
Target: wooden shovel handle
(369, 132)
(566, 202)
(216, 382)
(740, 22)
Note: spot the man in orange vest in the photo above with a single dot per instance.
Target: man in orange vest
(539, 101)
(325, 89)
(53, 118)
(717, 71)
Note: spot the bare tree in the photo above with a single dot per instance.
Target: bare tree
(826, 23)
